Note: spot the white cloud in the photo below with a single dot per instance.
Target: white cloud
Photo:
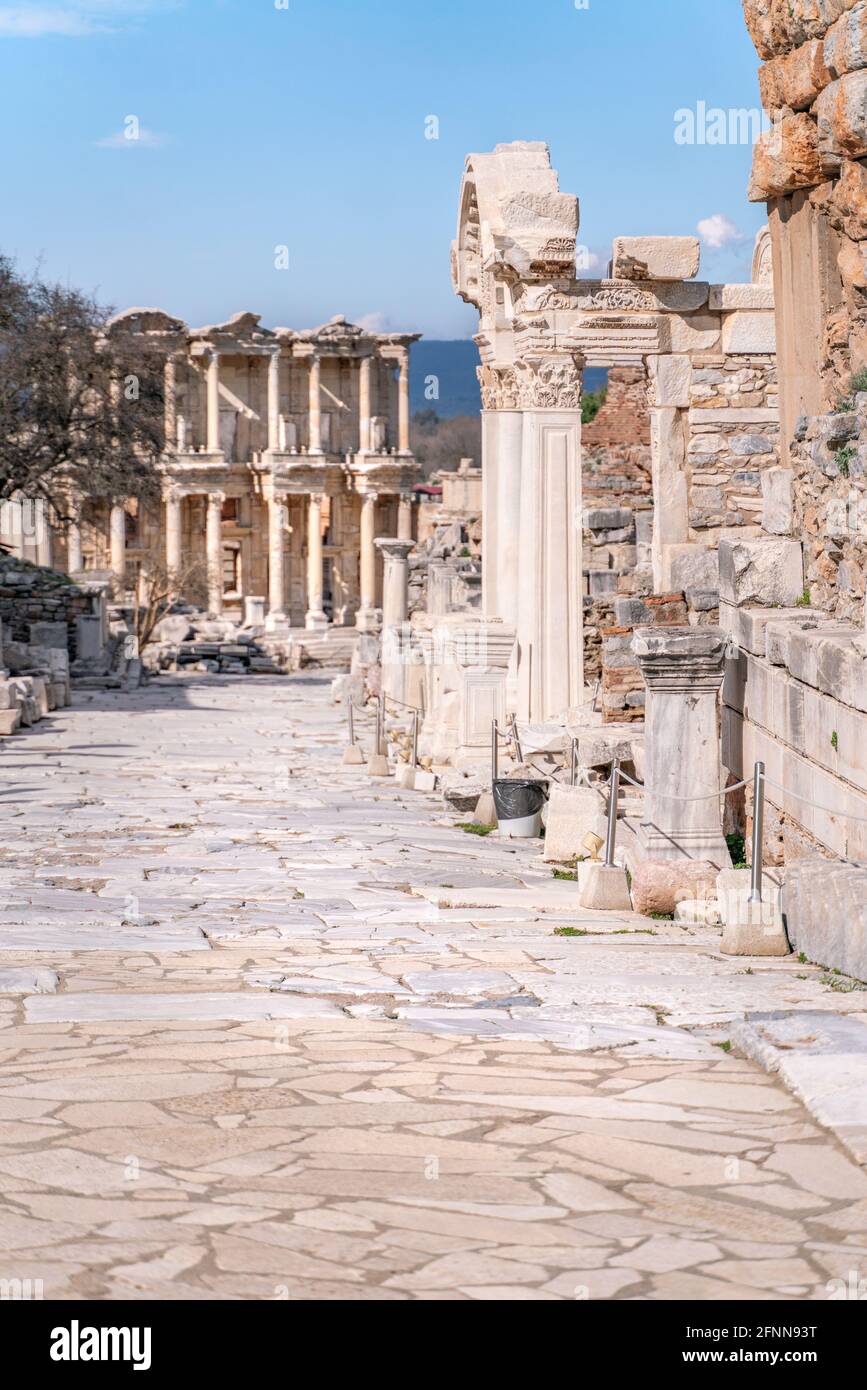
(719, 231)
(72, 18)
(127, 139)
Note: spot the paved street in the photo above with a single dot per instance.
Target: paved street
(270, 1029)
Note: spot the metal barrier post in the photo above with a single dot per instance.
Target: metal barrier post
(351, 711)
(574, 781)
(613, 799)
(415, 739)
(758, 833)
(495, 751)
(380, 724)
(519, 751)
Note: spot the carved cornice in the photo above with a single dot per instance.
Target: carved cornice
(689, 660)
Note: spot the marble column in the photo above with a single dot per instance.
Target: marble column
(364, 404)
(315, 407)
(74, 553)
(683, 670)
(170, 398)
(368, 618)
(213, 403)
(403, 404)
(404, 517)
(276, 563)
(316, 618)
(214, 545)
(507, 552)
(117, 542)
(395, 584)
(174, 534)
(274, 401)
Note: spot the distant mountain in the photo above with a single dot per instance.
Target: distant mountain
(453, 363)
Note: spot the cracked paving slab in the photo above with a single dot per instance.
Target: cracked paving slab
(269, 1028)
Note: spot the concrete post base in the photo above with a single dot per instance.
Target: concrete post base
(377, 766)
(604, 889)
(751, 929)
(485, 812)
(353, 757)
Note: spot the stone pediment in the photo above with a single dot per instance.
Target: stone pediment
(244, 329)
(147, 321)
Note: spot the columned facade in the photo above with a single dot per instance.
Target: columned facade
(286, 454)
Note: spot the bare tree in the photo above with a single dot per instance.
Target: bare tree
(81, 402)
(158, 589)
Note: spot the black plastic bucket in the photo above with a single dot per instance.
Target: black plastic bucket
(519, 807)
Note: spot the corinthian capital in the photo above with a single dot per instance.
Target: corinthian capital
(550, 382)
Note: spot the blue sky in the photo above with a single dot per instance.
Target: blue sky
(265, 123)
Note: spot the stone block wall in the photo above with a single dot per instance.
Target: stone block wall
(616, 465)
(31, 594)
(822, 500)
(734, 437)
(623, 689)
(810, 167)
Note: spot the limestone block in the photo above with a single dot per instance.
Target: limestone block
(751, 929)
(841, 111)
(10, 721)
(826, 913)
(786, 158)
(693, 567)
(795, 79)
(850, 198)
(845, 46)
(656, 258)
(659, 885)
(749, 331)
(852, 263)
(777, 26)
(49, 635)
(805, 650)
(764, 572)
(425, 781)
(671, 378)
(605, 889)
(730, 297)
(704, 913)
(777, 634)
(778, 501)
(573, 812)
(696, 333)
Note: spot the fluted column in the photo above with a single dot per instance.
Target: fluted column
(316, 618)
(364, 399)
(367, 617)
(174, 544)
(117, 542)
(404, 517)
(213, 403)
(274, 400)
(170, 397)
(403, 404)
(214, 543)
(276, 563)
(315, 409)
(74, 553)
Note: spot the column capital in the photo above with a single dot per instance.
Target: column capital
(215, 497)
(547, 381)
(686, 659)
(393, 548)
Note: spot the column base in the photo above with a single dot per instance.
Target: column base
(368, 619)
(316, 621)
(276, 622)
(707, 846)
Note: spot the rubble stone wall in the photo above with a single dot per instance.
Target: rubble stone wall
(734, 436)
(31, 594)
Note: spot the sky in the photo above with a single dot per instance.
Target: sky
(282, 160)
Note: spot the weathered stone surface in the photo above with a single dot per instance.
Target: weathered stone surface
(845, 47)
(850, 198)
(826, 912)
(841, 112)
(656, 258)
(749, 332)
(573, 812)
(796, 79)
(765, 572)
(658, 886)
(778, 501)
(786, 158)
